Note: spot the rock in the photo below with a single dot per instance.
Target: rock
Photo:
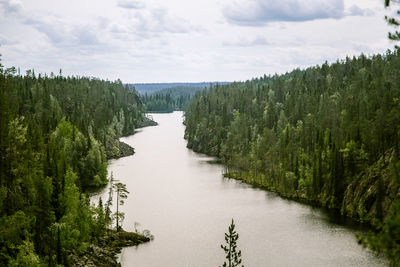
(104, 253)
(369, 198)
(125, 150)
(148, 121)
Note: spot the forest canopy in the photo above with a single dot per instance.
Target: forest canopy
(169, 99)
(327, 134)
(56, 134)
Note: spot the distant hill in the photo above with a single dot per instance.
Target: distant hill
(175, 97)
(169, 99)
(177, 91)
(150, 88)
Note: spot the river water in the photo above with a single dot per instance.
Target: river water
(186, 203)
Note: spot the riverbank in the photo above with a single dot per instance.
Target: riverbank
(104, 252)
(121, 149)
(147, 122)
(367, 200)
(193, 202)
(124, 150)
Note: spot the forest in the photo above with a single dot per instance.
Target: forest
(327, 135)
(56, 136)
(169, 99)
(150, 88)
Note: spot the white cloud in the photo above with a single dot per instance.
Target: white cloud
(260, 12)
(259, 41)
(355, 10)
(6, 41)
(10, 6)
(65, 33)
(153, 23)
(129, 4)
(184, 41)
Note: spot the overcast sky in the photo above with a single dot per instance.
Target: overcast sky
(186, 40)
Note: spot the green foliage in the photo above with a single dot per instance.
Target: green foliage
(387, 239)
(95, 165)
(232, 255)
(169, 99)
(122, 193)
(55, 132)
(306, 134)
(70, 223)
(177, 91)
(158, 103)
(395, 36)
(26, 256)
(100, 223)
(150, 88)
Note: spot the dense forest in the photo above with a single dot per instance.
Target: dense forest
(56, 135)
(179, 91)
(327, 134)
(150, 88)
(169, 99)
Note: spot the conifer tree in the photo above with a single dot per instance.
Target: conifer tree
(395, 36)
(232, 254)
(122, 193)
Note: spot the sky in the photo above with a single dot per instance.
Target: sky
(186, 40)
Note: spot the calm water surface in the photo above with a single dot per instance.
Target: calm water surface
(187, 205)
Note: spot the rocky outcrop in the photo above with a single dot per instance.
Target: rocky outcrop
(104, 253)
(120, 150)
(369, 198)
(117, 149)
(148, 121)
(125, 150)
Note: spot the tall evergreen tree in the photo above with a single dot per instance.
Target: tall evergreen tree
(395, 36)
(233, 256)
(122, 193)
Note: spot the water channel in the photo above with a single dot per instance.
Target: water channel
(186, 203)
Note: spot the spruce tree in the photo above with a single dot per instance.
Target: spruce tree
(122, 193)
(394, 36)
(232, 254)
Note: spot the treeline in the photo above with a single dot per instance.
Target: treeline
(309, 133)
(56, 134)
(150, 88)
(169, 99)
(178, 91)
(158, 103)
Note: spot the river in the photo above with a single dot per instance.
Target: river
(186, 203)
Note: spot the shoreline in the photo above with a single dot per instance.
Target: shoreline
(334, 214)
(125, 150)
(105, 252)
(361, 203)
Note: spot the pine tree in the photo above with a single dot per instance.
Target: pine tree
(122, 193)
(232, 255)
(394, 36)
(108, 213)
